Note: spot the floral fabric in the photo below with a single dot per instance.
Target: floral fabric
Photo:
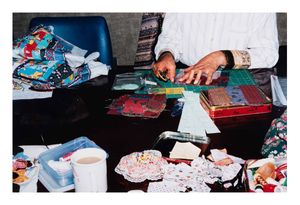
(275, 142)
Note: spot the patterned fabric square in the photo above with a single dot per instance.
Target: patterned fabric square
(46, 61)
(252, 94)
(275, 142)
(218, 97)
(41, 44)
(51, 72)
(138, 105)
(236, 95)
(134, 106)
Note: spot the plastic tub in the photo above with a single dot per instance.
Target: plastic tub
(66, 178)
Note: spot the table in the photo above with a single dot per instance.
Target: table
(119, 135)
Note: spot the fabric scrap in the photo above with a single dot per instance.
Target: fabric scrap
(138, 105)
(252, 95)
(218, 97)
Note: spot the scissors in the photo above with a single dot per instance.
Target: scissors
(163, 75)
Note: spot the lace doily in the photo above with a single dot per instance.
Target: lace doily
(140, 166)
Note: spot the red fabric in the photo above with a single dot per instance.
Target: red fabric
(146, 106)
(252, 94)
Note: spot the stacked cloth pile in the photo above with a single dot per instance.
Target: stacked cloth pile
(44, 61)
(138, 105)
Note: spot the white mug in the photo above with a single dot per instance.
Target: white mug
(89, 170)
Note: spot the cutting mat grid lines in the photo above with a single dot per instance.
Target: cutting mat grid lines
(236, 77)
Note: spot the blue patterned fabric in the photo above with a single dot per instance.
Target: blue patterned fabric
(236, 95)
(44, 61)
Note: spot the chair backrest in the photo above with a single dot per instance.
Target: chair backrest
(90, 33)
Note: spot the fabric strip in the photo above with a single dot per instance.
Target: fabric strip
(252, 94)
(236, 95)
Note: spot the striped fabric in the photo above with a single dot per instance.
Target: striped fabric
(252, 95)
(191, 36)
(149, 31)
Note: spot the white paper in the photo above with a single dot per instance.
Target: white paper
(194, 119)
(74, 61)
(230, 171)
(31, 184)
(185, 150)
(33, 151)
(219, 155)
(97, 68)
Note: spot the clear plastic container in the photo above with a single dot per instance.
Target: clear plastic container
(128, 81)
(64, 179)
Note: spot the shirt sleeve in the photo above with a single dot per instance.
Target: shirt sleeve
(263, 41)
(169, 39)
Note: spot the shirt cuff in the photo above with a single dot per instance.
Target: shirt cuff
(241, 59)
(237, 59)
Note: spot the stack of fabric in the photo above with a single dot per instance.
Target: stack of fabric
(138, 105)
(44, 61)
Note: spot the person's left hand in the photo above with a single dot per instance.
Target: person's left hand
(207, 65)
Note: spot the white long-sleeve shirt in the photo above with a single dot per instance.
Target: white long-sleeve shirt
(191, 36)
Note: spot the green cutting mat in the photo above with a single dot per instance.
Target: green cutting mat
(236, 77)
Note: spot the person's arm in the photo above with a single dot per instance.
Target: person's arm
(169, 38)
(236, 59)
(167, 49)
(262, 48)
(261, 51)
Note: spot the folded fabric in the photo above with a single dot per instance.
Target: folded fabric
(50, 62)
(40, 43)
(236, 95)
(275, 142)
(44, 71)
(137, 105)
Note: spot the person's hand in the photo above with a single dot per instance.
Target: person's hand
(165, 64)
(207, 65)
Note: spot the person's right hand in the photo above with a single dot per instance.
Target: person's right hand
(165, 63)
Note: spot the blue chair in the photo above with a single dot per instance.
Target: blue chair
(90, 33)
